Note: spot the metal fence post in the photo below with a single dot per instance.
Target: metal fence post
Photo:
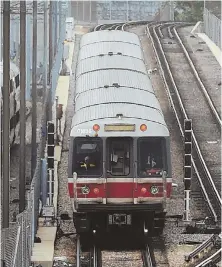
(45, 53)
(28, 57)
(23, 85)
(34, 67)
(44, 182)
(56, 27)
(17, 42)
(6, 78)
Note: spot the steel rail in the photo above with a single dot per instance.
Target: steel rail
(205, 245)
(118, 27)
(174, 109)
(146, 257)
(160, 30)
(209, 262)
(198, 78)
(169, 28)
(97, 27)
(78, 252)
(95, 260)
(94, 251)
(103, 27)
(186, 117)
(113, 27)
(139, 22)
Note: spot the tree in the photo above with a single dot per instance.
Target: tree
(191, 11)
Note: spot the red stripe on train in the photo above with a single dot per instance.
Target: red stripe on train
(120, 190)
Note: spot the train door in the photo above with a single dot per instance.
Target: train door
(119, 170)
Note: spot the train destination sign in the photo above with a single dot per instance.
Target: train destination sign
(119, 128)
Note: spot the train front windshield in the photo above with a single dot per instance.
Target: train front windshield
(151, 157)
(87, 156)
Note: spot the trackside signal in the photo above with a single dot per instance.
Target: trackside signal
(187, 166)
(50, 159)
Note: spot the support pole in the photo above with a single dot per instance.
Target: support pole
(110, 10)
(60, 21)
(50, 59)
(127, 10)
(187, 205)
(164, 188)
(22, 105)
(50, 39)
(83, 11)
(77, 13)
(56, 122)
(45, 54)
(56, 27)
(34, 63)
(6, 112)
(90, 11)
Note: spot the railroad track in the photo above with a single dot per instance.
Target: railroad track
(108, 27)
(151, 254)
(89, 258)
(185, 105)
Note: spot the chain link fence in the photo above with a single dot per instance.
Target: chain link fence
(212, 27)
(17, 240)
(110, 11)
(165, 12)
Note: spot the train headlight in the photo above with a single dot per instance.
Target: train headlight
(154, 190)
(143, 190)
(96, 191)
(96, 127)
(143, 127)
(85, 190)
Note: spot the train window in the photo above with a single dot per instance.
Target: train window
(119, 156)
(87, 157)
(11, 85)
(151, 157)
(17, 81)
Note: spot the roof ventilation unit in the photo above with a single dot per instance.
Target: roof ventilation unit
(106, 86)
(116, 85)
(119, 53)
(101, 55)
(110, 53)
(119, 116)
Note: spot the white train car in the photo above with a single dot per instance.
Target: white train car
(119, 141)
(14, 94)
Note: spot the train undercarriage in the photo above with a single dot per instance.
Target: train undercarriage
(110, 225)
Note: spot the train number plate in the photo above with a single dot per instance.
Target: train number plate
(120, 219)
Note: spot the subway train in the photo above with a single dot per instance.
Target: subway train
(14, 102)
(119, 171)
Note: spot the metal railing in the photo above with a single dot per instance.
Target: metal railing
(212, 27)
(17, 240)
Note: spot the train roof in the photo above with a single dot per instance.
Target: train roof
(93, 64)
(114, 84)
(104, 48)
(104, 78)
(109, 36)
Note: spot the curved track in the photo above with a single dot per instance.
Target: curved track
(189, 101)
